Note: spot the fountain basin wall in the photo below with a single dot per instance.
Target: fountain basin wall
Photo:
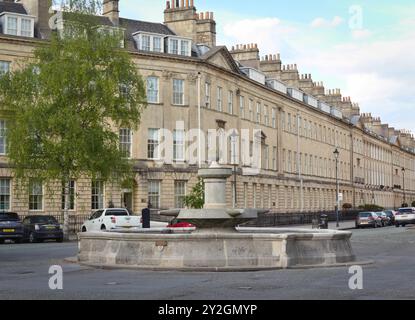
(246, 250)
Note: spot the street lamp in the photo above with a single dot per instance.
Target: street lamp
(404, 193)
(336, 155)
(234, 139)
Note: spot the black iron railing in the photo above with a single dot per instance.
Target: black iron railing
(75, 220)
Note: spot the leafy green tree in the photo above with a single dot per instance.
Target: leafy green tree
(67, 105)
(196, 199)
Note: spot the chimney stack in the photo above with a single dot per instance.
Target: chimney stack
(111, 10)
(40, 10)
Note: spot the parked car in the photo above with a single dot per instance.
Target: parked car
(391, 214)
(11, 227)
(41, 228)
(176, 224)
(368, 219)
(405, 216)
(110, 219)
(384, 217)
(154, 224)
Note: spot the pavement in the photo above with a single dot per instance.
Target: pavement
(343, 225)
(24, 274)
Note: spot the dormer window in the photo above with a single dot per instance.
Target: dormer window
(174, 46)
(26, 28)
(157, 44)
(184, 47)
(179, 46)
(113, 32)
(11, 26)
(17, 24)
(146, 43)
(149, 42)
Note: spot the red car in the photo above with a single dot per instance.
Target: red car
(181, 225)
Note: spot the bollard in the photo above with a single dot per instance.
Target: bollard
(146, 218)
(324, 222)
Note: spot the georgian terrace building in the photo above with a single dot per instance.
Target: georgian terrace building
(301, 123)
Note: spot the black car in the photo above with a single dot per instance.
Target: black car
(11, 227)
(391, 215)
(40, 228)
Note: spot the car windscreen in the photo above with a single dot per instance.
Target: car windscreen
(406, 210)
(45, 220)
(117, 213)
(9, 217)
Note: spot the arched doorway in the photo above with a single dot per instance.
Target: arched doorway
(127, 194)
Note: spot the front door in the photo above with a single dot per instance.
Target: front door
(127, 201)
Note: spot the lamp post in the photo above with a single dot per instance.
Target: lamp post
(199, 121)
(234, 140)
(403, 178)
(336, 155)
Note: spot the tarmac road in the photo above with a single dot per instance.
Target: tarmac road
(24, 275)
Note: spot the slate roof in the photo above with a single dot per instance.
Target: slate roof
(12, 7)
(99, 20)
(133, 26)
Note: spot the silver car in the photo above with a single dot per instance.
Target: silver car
(368, 220)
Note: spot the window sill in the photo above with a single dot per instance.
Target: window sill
(180, 105)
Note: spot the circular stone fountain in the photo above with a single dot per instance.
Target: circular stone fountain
(217, 244)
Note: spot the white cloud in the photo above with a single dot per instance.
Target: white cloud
(378, 74)
(321, 22)
(360, 34)
(375, 70)
(270, 31)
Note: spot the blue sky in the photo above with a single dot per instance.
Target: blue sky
(365, 48)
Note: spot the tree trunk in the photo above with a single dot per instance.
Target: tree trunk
(67, 191)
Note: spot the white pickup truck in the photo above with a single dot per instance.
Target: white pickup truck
(111, 219)
(405, 216)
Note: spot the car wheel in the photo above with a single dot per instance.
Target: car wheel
(32, 238)
(59, 240)
(1, 241)
(103, 228)
(18, 241)
(83, 229)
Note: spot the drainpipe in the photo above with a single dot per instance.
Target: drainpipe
(300, 177)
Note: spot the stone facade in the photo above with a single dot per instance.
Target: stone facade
(297, 142)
